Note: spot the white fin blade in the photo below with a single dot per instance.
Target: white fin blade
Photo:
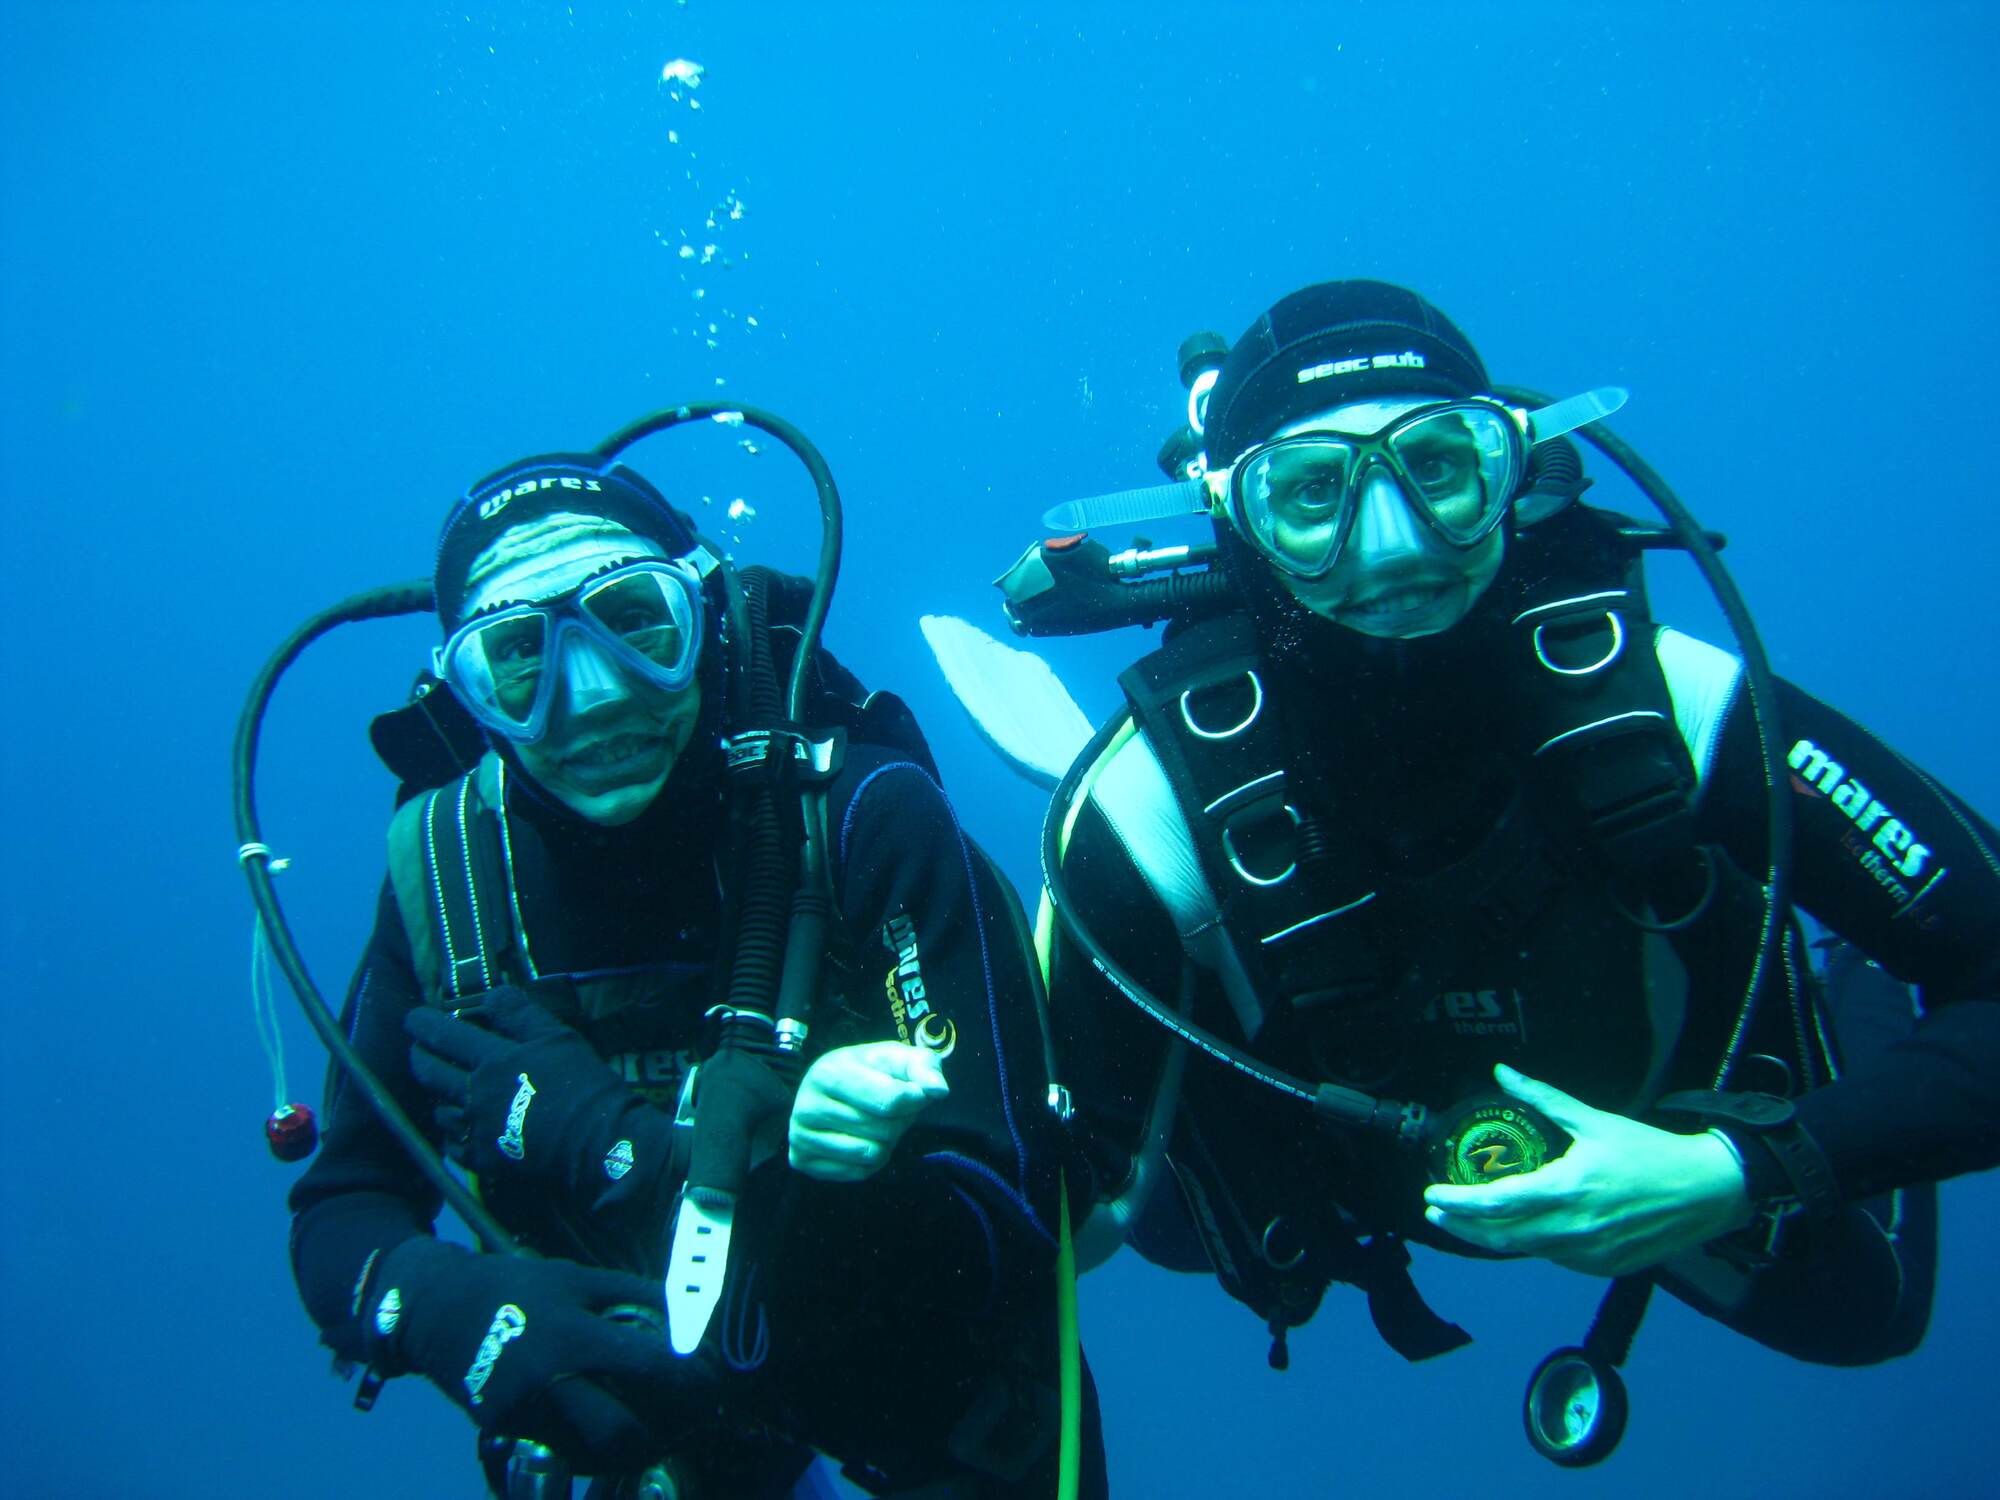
(1018, 705)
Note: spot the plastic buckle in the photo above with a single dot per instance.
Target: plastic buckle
(823, 758)
(773, 749)
(372, 1381)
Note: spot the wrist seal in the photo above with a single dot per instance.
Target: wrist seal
(1782, 1163)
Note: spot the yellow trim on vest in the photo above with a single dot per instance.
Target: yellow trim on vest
(1083, 788)
(1045, 935)
(1045, 910)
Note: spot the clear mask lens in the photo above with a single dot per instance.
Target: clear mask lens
(1296, 499)
(647, 612)
(1462, 465)
(646, 618)
(1457, 466)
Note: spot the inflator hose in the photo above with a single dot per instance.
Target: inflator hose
(766, 873)
(760, 952)
(831, 533)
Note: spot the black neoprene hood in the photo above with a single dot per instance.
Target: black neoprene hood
(1331, 343)
(541, 486)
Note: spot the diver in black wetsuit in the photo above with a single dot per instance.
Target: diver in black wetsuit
(551, 935)
(1436, 806)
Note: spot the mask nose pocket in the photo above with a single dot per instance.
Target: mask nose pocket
(1385, 525)
(589, 678)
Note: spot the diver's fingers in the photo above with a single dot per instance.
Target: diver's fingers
(1511, 1198)
(817, 1110)
(834, 1157)
(883, 1079)
(914, 1065)
(1571, 1113)
(1473, 1231)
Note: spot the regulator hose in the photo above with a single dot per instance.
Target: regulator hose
(255, 857)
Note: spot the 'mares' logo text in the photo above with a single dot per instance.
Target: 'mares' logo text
(909, 1005)
(492, 505)
(1479, 1012)
(1881, 844)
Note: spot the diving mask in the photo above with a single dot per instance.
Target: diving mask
(644, 616)
(1459, 464)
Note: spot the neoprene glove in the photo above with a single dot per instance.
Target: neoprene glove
(525, 1348)
(521, 1096)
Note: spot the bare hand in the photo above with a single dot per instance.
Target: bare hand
(854, 1105)
(1623, 1197)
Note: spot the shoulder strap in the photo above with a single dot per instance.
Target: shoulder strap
(1296, 914)
(448, 870)
(1597, 716)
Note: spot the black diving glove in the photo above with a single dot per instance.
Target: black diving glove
(526, 1348)
(521, 1096)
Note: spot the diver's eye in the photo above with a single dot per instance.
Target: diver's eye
(517, 644)
(1435, 472)
(630, 619)
(1312, 499)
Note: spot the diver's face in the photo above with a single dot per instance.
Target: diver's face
(1395, 578)
(612, 740)
(612, 736)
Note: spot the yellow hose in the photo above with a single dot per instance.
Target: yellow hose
(1069, 1353)
(1069, 1356)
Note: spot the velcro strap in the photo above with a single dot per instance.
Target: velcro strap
(1781, 1160)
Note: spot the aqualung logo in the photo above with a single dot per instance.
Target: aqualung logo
(1881, 843)
(508, 1324)
(510, 1142)
(389, 1311)
(618, 1161)
(492, 505)
(1409, 359)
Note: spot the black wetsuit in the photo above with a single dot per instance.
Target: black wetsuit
(1405, 751)
(886, 1304)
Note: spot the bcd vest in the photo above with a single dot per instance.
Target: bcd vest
(1587, 882)
(451, 866)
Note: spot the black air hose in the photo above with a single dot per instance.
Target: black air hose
(1555, 466)
(377, 604)
(1184, 597)
(765, 886)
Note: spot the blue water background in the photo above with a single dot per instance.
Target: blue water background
(279, 280)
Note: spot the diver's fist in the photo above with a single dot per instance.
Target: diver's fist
(854, 1105)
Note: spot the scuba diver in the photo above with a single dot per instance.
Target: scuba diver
(573, 988)
(1426, 890)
